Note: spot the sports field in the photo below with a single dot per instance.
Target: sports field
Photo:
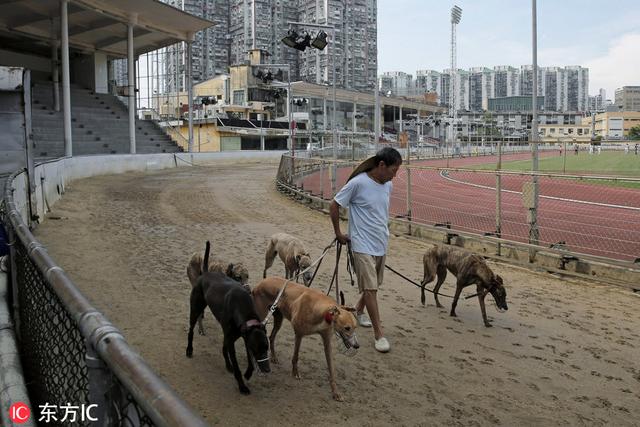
(607, 163)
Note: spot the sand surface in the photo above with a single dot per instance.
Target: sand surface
(566, 353)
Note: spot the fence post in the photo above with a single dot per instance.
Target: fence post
(499, 198)
(322, 179)
(100, 388)
(408, 185)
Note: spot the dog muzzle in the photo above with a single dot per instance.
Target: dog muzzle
(261, 365)
(347, 345)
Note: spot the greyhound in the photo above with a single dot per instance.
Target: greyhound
(232, 305)
(237, 272)
(310, 312)
(292, 253)
(469, 269)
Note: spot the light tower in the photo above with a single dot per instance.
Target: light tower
(456, 14)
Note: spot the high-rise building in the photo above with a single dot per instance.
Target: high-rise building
(242, 25)
(429, 81)
(576, 89)
(564, 89)
(627, 98)
(398, 82)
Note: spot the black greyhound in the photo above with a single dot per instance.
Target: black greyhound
(232, 305)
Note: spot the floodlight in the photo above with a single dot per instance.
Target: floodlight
(320, 42)
(304, 43)
(291, 39)
(456, 14)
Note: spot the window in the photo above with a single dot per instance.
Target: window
(552, 130)
(238, 97)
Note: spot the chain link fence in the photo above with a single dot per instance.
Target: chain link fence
(584, 214)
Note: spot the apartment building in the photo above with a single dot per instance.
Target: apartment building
(242, 25)
(429, 81)
(398, 82)
(565, 89)
(627, 98)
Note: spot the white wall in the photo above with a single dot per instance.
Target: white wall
(100, 66)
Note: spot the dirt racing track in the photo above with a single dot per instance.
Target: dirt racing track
(566, 352)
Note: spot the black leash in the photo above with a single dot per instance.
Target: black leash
(339, 294)
(429, 290)
(415, 283)
(320, 262)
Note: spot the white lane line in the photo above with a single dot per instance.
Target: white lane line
(584, 202)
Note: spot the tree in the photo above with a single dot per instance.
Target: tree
(634, 132)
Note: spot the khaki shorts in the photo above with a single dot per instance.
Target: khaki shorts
(369, 270)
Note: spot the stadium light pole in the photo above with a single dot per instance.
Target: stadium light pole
(456, 15)
(332, 30)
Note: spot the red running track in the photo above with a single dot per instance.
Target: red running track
(591, 218)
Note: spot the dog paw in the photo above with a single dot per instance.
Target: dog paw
(488, 325)
(189, 352)
(247, 375)
(244, 390)
(439, 305)
(338, 397)
(453, 314)
(201, 332)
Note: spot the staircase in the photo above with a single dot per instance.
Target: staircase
(99, 125)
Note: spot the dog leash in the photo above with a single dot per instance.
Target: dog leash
(415, 283)
(350, 263)
(318, 261)
(429, 290)
(274, 306)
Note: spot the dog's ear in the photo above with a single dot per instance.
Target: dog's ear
(229, 270)
(331, 314)
(349, 309)
(298, 258)
(499, 279)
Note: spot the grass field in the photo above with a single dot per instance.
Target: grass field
(606, 163)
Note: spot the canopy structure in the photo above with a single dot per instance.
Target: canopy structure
(96, 25)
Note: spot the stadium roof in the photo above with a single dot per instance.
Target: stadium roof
(95, 25)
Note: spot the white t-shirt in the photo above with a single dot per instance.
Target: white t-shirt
(368, 203)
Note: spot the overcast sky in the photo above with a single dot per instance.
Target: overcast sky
(601, 35)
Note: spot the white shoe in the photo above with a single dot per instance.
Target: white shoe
(363, 320)
(382, 345)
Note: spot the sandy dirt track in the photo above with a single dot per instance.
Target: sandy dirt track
(566, 353)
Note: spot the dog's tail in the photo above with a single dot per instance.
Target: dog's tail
(205, 260)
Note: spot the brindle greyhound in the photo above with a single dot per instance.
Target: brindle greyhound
(469, 269)
(310, 312)
(232, 305)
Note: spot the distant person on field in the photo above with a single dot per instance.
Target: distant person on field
(636, 149)
(591, 149)
(575, 148)
(599, 149)
(626, 149)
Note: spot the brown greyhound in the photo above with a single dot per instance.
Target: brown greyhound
(310, 312)
(469, 269)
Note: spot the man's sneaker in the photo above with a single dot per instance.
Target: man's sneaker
(363, 320)
(382, 345)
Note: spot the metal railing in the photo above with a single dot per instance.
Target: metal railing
(589, 215)
(72, 355)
